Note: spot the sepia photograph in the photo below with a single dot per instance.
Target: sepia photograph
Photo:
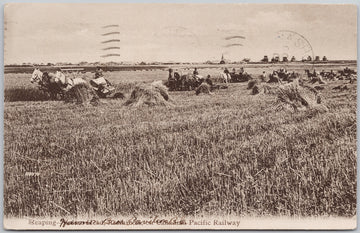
(180, 116)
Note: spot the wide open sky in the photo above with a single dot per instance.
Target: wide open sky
(38, 32)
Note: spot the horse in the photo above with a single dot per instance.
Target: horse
(54, 84)
(347, 74)
(289, 77)
(221, 77)
(184, 82)
(310, 74)
(330, 76)
(283, 75)
(47, 83)
(274, 77)
(189, 82)
(178, 81)
(241, 77)
(317, 78)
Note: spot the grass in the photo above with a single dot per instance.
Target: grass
(227, 153)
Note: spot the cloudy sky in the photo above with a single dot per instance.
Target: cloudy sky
(176, 32)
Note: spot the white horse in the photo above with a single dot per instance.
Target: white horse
(59, 78)
(54, 84)
(36, 76)
(224, 78)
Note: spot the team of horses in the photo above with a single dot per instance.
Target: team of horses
(321, 77)
(187, 82)
(179, 81)
(282, 75)
(55, 84)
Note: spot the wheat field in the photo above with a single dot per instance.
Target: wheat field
(228, 153)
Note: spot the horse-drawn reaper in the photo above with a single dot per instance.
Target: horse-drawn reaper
(183, 82)
(57, 84)
(177, 81)
(54, 84)
(242, 76)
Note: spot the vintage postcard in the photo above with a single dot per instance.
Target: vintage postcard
(180, 116)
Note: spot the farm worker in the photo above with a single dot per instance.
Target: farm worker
(196, 75)
(170, 73)
(321, 81)
(98, 72)
(276, 74)
(233, 71)
(99, 82)
(263, 76)
(226, 71)
(241, 70)
(208, 80)
(172, 80)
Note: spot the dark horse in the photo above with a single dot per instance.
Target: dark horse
(186, 82)
(310, 74)
(288, 77)
(236, 78)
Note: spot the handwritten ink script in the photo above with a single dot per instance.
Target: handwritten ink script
(131, 221)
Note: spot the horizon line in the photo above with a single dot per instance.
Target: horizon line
(180, 62)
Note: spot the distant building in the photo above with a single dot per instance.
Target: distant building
(222, 61)
(293, 59)
(317, 58)
(309, 58)
(324, 58)
(285, 59)
(276, 58)
(265, 59)
(246, 60)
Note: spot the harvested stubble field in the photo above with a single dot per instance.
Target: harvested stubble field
(226, 153)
